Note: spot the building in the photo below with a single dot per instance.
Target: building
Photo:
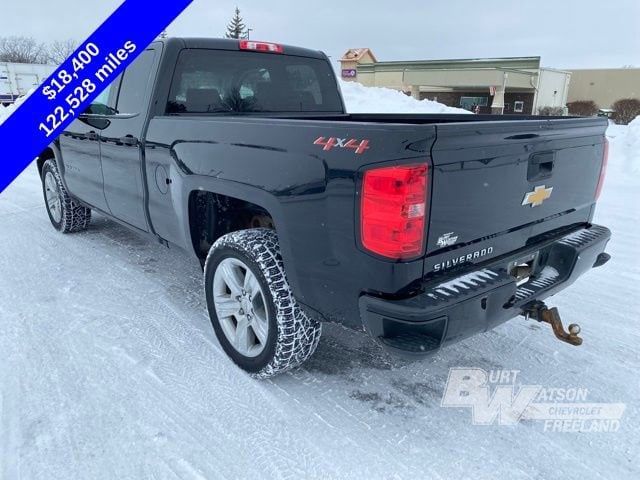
(517, 85)
(604, 85)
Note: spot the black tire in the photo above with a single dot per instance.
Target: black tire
(73, 217)
(292, 335)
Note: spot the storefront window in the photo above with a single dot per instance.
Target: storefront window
(468, 103)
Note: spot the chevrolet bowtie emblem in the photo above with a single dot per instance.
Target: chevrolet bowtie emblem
(539, 195)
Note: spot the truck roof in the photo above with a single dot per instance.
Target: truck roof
(233, 44)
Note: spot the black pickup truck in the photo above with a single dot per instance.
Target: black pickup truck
(423, 229)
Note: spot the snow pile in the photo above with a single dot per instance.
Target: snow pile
(361, 99)
(624, 143)
(6, 111)
(630, 140)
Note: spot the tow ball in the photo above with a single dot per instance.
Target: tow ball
(540, 312)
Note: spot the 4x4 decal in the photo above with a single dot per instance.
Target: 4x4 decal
(360, 146)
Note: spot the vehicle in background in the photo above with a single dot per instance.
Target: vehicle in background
(16, 79)
(606, 112)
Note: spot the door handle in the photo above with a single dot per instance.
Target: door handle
(91, 136)
(129, 140)
(540, 166)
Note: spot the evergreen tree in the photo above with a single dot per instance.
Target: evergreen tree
(236, 29)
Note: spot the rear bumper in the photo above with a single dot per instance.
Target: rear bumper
(478, 300)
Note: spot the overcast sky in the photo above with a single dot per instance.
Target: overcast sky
(565, 33)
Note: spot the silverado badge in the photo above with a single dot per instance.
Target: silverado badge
(539, 195)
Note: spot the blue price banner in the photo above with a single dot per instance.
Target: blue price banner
(79, 80)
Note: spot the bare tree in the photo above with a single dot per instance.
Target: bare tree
(60, 50)
(22, 50)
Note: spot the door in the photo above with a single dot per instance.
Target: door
(120, 143)
(80, 148)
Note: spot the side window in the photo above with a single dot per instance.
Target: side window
(135, 82)
(103, 98)
(104, 104)
(470, 103)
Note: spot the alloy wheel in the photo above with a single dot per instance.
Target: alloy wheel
(241, 307)
(53, 197)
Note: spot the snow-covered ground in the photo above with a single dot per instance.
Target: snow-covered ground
(8, 110)
(109, 369)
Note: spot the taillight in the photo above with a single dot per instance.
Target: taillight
(393, 211)
(603, 169)
(261, 46)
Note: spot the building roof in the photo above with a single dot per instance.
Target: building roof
(355, 54)
(619, 69)
(511, 62)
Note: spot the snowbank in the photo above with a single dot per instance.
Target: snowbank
(6, 111)
(361, 99)
(624, 141)
(630, 137)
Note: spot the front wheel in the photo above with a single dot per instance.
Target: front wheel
(258, 322)
(66, 213)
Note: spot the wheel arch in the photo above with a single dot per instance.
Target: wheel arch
(46, 154)
(212, 215)
(49, 153)
(255, 197)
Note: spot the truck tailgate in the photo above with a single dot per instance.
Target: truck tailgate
(492, 178)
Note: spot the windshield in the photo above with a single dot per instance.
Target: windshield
(221, 81)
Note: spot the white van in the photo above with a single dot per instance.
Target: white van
(18, 78)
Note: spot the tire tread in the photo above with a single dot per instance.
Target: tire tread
(298, 333)
(75, 217)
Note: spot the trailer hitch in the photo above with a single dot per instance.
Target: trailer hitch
(540, 312)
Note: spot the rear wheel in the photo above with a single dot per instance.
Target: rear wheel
(258, 322)
(66, 214)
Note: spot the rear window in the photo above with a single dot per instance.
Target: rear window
(220, 81)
